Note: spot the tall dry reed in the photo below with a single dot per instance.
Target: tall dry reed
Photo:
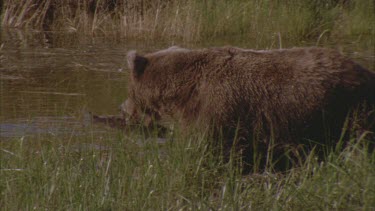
(195, 20)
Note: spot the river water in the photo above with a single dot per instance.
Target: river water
(49, 82)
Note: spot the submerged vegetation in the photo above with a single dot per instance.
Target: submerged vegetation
(195, 20)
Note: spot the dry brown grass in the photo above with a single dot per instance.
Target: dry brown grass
(195, 20)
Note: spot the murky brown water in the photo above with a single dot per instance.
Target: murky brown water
(49, 82)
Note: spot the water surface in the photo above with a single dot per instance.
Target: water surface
(50, 81)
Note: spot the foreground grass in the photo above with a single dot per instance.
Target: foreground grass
(78, 173)
(195, 20)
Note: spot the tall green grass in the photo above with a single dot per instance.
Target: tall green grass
(128, 172)
(74, 173)
(195, 20)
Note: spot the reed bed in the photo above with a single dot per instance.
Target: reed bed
(53, 173)
(195, 20)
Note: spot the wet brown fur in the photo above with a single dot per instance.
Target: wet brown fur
(283, 95)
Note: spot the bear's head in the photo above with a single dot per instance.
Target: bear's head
(153, 82)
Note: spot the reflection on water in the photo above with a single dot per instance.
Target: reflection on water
(42, 125)
(49, 81)
(47, 89)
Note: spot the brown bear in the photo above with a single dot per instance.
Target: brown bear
(281, 95)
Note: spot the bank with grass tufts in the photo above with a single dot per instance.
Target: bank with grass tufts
(51, 173)
(195, 20)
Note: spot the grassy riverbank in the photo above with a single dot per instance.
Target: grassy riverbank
(85, 170)
(77, 173)
(196, 20)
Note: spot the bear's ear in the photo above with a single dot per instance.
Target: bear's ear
(137, 64)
